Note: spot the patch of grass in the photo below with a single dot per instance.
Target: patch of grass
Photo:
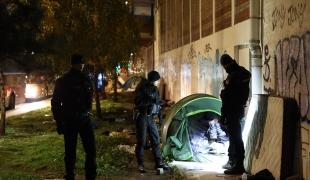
(32, 149)
(37, 121)
(13, 175)
(124, 103)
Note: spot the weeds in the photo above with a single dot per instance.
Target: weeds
(32, 149)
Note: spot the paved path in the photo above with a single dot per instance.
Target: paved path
(27, 107)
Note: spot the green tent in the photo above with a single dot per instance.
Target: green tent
(185, 127)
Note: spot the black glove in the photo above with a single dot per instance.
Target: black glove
(59, 127)
(60, 130)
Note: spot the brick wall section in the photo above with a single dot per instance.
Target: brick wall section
(222, 14)
(242, 11)
(169, 25)
(206, 17)
(174, 24)
(195, 29)
(163, 28)
(179, 22)
(186, 15)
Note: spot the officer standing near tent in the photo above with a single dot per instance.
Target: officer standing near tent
(71, 107)
(234, 97)
(147, 106)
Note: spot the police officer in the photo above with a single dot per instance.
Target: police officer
(71, 107)
(234, 97)
(147, 105)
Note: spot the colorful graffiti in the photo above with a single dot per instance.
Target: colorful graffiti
(292, 75)
(292, 14)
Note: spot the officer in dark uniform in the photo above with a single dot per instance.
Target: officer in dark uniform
(71, 107)
(234, 97)
(147, 106)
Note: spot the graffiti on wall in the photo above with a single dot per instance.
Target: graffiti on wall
(267, 73)
(292, 73)
(192, 53)
(210, 73)
(278, 17)
(296, 14)
(186, 80)
(170, 76)
(208, 48)
(177, 73)
(205, 74)
(290, 15)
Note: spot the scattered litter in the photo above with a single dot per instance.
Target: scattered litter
(127, 148)
(48, 122)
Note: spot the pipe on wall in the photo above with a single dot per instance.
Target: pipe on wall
(255, 47)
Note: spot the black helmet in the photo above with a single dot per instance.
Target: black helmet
(77, 59)
(153, 76)
(226, 59)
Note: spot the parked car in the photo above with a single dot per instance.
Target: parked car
(14, 80)
(38, 87)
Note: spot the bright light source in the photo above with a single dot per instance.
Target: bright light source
(249, 119)
(32, 91)
(131, 54)
(214, 167)
(126, 2)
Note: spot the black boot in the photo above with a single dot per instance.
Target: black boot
(228, 165)
(237, 168)
(141, 168)
(164, 166)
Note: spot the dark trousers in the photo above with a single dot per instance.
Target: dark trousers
(86, 132)
(236, 146)
(146, 124)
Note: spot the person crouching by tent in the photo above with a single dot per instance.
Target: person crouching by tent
(147, 106)
(234, 97)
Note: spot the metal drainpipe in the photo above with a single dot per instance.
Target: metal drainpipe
(255, 48)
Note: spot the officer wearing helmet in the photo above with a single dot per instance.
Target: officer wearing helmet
(147, 106)
(71, 107)
(234, 96)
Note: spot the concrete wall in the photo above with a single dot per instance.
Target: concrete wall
(287, 59)
(195, 68)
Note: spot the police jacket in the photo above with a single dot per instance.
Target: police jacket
(147, 98)
(236, 89)
(72, 96)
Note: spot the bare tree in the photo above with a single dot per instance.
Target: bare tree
(2, 104)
